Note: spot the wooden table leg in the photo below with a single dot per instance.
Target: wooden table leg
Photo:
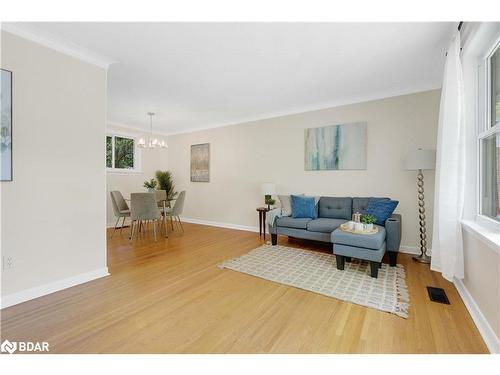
(264, 222)
(260, 223)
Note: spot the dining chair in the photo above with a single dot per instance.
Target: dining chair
(161, 197)
(143, 207)
(120, 208)
(178, 208)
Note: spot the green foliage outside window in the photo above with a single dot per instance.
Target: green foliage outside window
(123, 152)
(109, 152)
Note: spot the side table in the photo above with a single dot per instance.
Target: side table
(262, 220)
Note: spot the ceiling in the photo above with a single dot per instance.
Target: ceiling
(202, 75)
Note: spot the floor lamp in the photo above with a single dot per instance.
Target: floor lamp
(420, 160)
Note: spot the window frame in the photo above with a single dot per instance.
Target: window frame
(485, 129)
(137, 154)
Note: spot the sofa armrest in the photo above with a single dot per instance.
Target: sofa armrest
(393, 232)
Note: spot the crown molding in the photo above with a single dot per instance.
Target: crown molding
(27, 31)
(114, 124)
(297, 111)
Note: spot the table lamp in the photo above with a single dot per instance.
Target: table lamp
(420, 160)
(268, 189)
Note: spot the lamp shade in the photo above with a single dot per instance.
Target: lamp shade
(268, 188)
(421, 159)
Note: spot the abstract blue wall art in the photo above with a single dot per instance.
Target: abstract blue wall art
(336, 147)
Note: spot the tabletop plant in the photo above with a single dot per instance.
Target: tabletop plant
(368, 219)
(270, 202)
(150, 185)
(166, 182)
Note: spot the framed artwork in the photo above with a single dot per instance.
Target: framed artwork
(200, 162)
(6, 128)
(336, 147)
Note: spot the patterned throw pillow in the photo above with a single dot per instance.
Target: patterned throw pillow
(382, 209)
(286, 205)
(304, 207)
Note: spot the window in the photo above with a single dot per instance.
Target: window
(489, 140)
(121, 154)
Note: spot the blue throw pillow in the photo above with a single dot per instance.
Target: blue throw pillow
(382, 209)
(304, 207)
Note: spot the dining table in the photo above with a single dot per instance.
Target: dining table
(165, 204)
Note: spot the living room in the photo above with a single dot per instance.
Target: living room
(250, 187)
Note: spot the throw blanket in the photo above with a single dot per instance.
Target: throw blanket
(273, 215)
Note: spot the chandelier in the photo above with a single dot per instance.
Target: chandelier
(153, 142)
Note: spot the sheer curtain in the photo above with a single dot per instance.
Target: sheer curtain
(447, 250)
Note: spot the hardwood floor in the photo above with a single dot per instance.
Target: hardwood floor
(170, 297)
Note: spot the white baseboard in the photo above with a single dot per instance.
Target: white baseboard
(412, 250)
(112, 224)
(409, 249)
(42, 290)
(487, 333)
(222, 225)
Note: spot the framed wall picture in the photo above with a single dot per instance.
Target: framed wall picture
(200, 162)
(336, 147)
(6, 128)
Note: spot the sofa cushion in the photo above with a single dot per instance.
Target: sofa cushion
(359, 204)
(324, 225)
(366, 241)
(381, 209)
(335, 208)
(291, 222)
(304, 207)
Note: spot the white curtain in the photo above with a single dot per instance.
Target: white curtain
(447, 249)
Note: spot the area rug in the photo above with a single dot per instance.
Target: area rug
(317, 272)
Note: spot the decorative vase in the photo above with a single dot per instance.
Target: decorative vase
(369, 227)
(358, 227)
(151, 190)
(356, 217)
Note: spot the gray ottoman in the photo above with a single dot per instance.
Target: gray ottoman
(369, 247)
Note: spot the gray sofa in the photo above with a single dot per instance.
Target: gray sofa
(332, 212)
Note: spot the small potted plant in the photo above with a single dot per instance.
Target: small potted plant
(368, 221)
(150, 185)
(270, 202)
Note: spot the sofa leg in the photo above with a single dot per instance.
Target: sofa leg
(374, 269)
(348, 259)
(274, 239)
(393, 257)
(340, 261)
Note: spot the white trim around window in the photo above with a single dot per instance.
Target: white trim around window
(137, 154)
(478, 51)
(486, 128)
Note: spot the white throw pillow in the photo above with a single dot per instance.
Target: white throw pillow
(286, 205)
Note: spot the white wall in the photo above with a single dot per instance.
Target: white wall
(482, 277)
(151, 161)
(244, 156)
(53, 213)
